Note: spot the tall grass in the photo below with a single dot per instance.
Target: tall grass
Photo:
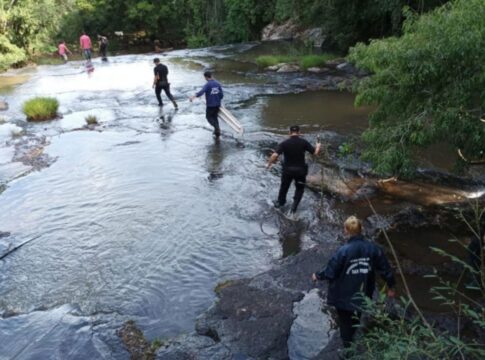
(41, 108)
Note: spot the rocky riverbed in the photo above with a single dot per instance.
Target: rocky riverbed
(114, 237)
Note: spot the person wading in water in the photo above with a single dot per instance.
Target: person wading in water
(85, 43)
(294, 166)
(160, 82)
(351, 274)
(213, 96)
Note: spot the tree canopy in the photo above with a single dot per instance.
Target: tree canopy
(428, 86)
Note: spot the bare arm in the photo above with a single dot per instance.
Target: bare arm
(272, 159)
(317, 148)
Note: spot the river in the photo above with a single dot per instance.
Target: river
(142, 218)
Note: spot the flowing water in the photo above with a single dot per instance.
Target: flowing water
(141, 219)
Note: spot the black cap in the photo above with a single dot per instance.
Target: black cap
(294, 128)
(208, 74)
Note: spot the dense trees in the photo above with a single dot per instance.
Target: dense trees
(428, 86)
(30, 26)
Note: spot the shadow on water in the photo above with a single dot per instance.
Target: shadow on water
(328, 110)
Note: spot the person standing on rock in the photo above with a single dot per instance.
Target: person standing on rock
(85, 43)
(213, 97)
(351, 274)
(294, 166)
(160, 82)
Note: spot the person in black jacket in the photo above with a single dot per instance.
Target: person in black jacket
(294, 167)
(160, 82)
(351, 273)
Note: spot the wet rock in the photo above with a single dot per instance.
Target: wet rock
(317, 70)
(194, 347)
(274, 67)
(3, 105)
(288, 68)
(135, 342)
(346, 67)
(253, 317)
(332, 64)
(274, 31)
(4, 234)
(312, 329)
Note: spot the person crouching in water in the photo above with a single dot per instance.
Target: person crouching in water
(160, 82)
(213, 96)
(63, 51)
(294, 166)
(351, 274)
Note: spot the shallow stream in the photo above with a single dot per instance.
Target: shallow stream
(141, 219)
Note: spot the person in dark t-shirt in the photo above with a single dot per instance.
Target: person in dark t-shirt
(160, 82)
(294, 166)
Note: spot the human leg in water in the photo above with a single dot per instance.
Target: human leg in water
(158, 92)
(166, 88)
(211, 114)
(286, 180)
(300, 180)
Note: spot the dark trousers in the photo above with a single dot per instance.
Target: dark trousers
(348, 320)
(211, 114)
(158, 92)
(298, 174)
(102, 50)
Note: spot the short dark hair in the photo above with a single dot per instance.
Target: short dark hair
(294, 129)
(156, 60)
(207, 74)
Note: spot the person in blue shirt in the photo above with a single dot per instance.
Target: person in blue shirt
(351, 274)
(213, 96)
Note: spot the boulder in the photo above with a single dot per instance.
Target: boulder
(313, 36)
(347, 68)
(332, 64)
(285, 31)
(288, 68)
(317, 70)
(3, 105)
(273, 67)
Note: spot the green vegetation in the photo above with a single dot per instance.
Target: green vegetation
(32, 27)
(41, 108)
(427, 87)
(304, 61)
(399, 330)
(91, 120)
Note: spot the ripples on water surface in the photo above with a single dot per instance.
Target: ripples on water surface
(135, 222)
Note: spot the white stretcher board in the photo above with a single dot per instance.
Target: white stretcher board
(226, 116)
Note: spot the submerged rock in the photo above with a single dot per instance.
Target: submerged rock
(3, 105)
(194, 347)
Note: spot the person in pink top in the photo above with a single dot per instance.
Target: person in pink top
(85, 43)
(63, 50)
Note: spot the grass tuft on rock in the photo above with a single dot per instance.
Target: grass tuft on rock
(91, 120)
(41, 108)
